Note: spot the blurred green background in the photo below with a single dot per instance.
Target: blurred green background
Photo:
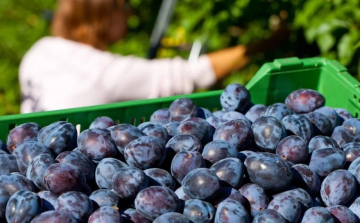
(327, 28)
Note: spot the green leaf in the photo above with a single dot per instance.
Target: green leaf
(357, 45)
(310, 34)
(325, 42)
(346, 48)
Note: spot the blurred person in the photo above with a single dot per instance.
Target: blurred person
(72, 68)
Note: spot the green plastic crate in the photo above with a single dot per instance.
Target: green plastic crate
(271, 84)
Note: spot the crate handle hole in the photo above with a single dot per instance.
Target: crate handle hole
(142, 119)
(64, 119)
(11, 126)
(133, 120)
(355, 97)
(356, 115)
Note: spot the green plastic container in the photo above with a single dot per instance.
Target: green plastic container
(271, 84)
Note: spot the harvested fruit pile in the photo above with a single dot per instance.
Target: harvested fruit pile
(297, 161)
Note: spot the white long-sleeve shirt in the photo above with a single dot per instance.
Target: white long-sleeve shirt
(57, 73)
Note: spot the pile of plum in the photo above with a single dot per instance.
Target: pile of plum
(297, 161)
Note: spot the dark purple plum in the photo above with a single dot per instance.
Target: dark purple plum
(287, 206)
(157, 130)
(268, 131)
(255, 112)
(355, 207)
(331, 114)
(236, 132)
(257, 200)
(233, 115)
(155, 201)
(299, 125)
(227, 193)
(215, 121)
(102, 122)
(143, 124)
(343, 114)
(230, 171)
(268, 171)
(128, 181)
(22, 133)
(79, 160)
(9, 185)
(201, 183)
(199, 211)
(321, 123)
(217, 150)
(303, 197)
(305, 178)
(160, 116)
(171, 128)
(3, 149)
(317, 215)
(304, 100)
(319, 142)
(341, 136)
(354, 169)
(338, 188)
(96, 144)
(278, 111)
(192, 127)
(184, 143)
(105, 197)
(105, 171)
(172, 217)
(123, 134)
(48, 200)
(244, 154)
(219, 113)
(23, 206)
(293, 149)
(352, 127)
(145, 152)
(317, 202)
(184, 162)
(105, 214)
(131, 215)
(235, 97)
(54, 217)
(26, 152)
(203, 113)
(36, 170)
(181, 109)
(230, 211)
(8, 164)
(324, 161)
(181, 194)
(160, 177)
(351, 150)
(342, 214)
(75, 203)
(268, 216)
(61, 177)
(58, 136)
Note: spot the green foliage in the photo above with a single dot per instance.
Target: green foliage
(327, 28)
(22, 23)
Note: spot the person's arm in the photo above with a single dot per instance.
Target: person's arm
(227, 60)
(129, 78)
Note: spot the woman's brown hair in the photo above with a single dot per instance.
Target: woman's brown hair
(85, 21)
